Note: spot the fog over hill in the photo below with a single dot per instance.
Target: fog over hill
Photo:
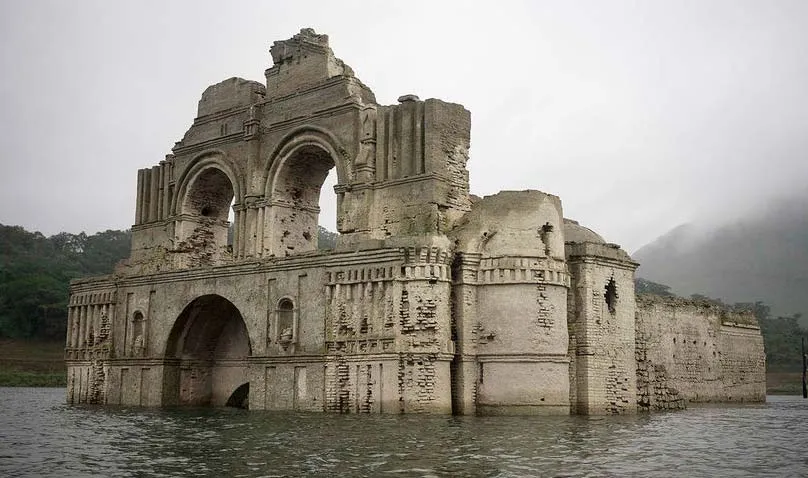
(762, 256)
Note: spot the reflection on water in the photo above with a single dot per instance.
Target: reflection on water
(40, 436)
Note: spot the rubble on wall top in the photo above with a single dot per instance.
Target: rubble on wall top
(281, 50)
(727, 312)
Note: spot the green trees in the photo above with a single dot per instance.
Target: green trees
(781, 338)
(326, 239)
(35, 272)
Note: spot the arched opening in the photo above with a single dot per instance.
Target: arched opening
(286, 322)
(240, 398)
(138, 334)
(207, 210)
(210, 342)
(296, 200)
(327, 227)
(231, 225)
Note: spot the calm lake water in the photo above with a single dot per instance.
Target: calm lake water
(41, 436)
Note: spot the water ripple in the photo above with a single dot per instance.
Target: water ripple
(40, 436)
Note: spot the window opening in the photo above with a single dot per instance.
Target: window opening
(137, 333)
(297, 192)
(327, 223)
(231, 224)
(286, 321)
(611, 295)
(545, 234)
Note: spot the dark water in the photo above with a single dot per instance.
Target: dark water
(40, 436)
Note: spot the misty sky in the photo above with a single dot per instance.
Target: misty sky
(640, 115)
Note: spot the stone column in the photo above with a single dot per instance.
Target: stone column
(160, 196)
(464, 307)
(259, 233)
(166, 187)
(70, 320)
(154, 182)
(139, 200)
(84, 325)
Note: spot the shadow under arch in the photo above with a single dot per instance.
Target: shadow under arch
(206, 352)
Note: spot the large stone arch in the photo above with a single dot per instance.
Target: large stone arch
(202, 204)
(294, 181)
(207, 351)
(307, 135)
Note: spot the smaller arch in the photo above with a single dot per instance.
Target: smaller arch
(138, 334)
(209, 195)
(214, 158)
(294, 197)
(303, 136)
(203, 205)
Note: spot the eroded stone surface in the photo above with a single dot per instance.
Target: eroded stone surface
(434, 301)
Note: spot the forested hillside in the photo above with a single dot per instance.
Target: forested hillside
(35, 272)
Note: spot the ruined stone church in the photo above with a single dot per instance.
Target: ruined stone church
(433, 300)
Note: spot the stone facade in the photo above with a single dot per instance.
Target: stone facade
(433, 301)
(697, 352)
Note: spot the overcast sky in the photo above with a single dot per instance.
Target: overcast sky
(640, 115)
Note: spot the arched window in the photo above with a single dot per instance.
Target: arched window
(286, 321)
(138, 334)
(296, 198)
(206, 210)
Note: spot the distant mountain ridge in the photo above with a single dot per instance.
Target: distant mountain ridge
(762, 257)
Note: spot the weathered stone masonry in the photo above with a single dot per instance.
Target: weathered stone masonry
(434, 300)
(698, 352)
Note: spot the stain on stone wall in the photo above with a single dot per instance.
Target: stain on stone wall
(416, 381)
(653, 391)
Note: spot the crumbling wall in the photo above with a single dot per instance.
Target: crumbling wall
(91, 313)
(654, 391)
(360, 322)
(604, 340)
(697, 352)
(424, 330)
(388, 335)
(601, 325)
